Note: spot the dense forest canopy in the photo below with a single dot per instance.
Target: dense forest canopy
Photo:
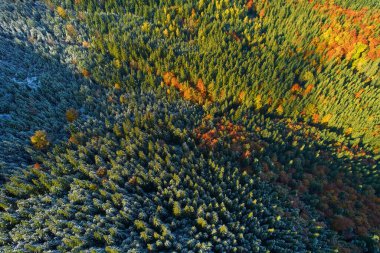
(189, 126)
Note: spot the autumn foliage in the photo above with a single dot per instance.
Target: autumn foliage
(71, 31)
(296, 88)
(39, 140)
(197, 94)
(71, 115)
(61, 12)
(101, 172)
(85, 72)
(225, 132)
(249, 4)
(337, 193)
(349, 33)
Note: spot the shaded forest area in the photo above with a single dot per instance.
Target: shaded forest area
(189, 126)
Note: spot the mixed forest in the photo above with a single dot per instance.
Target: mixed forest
(190, 126)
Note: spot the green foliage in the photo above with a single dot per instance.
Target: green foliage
(260, 144)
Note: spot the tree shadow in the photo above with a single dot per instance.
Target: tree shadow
(35, 93)
(337, 183)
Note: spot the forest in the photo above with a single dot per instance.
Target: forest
(190, 126)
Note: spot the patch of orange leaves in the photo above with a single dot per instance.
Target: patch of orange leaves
(249, 4)
(85, 72)
(225, 132)
(296, 88)
(335, 193)
(308, 89)
(341, 39)
(197, 94)
(362, 210)
(359, 93)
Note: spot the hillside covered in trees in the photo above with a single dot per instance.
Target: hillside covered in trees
(190, 126)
